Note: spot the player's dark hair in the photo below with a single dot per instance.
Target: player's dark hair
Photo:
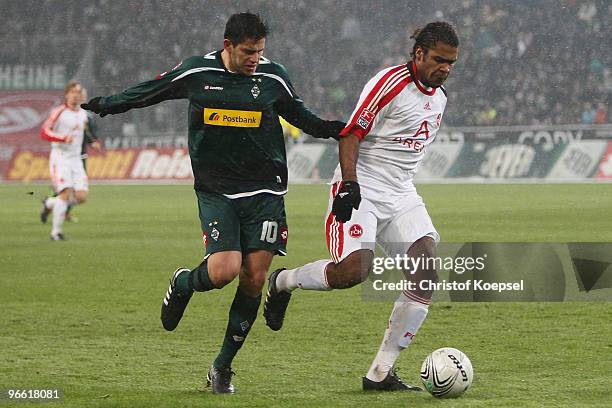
(243, 26)
(428, 36)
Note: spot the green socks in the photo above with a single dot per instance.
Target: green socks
(242, 315)
(197, 280)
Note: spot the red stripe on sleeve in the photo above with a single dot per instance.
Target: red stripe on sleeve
(46, 131)
(393, 92)
(363, 118)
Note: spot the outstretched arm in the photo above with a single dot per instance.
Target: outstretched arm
(165, 87)
(292, 108)
(294, 112)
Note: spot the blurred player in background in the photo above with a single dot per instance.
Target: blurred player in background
(237, 152)
(65, 129)
(373, 198)
(90, 139)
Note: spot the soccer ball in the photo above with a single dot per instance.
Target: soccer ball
(447, 373)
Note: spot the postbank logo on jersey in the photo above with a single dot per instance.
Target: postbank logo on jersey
(231, 117)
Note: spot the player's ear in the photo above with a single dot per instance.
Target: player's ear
(227, 45)
(418, 54)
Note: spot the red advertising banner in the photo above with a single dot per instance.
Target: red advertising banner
(116, 164)
(605, 166)
(21, 115)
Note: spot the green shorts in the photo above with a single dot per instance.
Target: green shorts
(243, 224)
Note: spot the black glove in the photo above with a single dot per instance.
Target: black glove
(347, 198)
(330, 128)
(94, 106)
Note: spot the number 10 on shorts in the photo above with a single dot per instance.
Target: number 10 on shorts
(269, 231)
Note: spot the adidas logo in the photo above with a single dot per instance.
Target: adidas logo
(427, 106)
(167, 297)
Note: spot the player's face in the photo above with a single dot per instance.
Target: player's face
(244, 56)
(435, 64)
(74, 96)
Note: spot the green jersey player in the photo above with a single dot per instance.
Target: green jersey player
(237, 152)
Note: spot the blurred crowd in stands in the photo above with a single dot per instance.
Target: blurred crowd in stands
(521, 62)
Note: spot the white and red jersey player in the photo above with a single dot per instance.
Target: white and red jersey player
(396, 119)
(65, 128)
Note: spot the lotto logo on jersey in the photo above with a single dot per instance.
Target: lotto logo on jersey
(365, 118)
(230, 117)
(284, 234)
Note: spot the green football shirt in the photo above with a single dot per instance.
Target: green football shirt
(236, 142)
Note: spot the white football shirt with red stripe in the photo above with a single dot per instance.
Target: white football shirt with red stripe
(396, 118)
(63, 121)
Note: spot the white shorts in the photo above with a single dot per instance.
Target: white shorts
(394, 223)
(68, 174)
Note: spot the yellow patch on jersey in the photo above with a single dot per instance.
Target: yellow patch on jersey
(230, 117)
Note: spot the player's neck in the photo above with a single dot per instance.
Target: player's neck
(425, 85)
(225, 58)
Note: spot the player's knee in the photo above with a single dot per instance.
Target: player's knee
(255, 281)
(80, 196)
(424, 246)
(65, 194)
(221, 274)
(223, 280)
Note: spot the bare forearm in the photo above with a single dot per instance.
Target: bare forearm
(349, 153)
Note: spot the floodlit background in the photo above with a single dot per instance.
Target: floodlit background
(536, 74)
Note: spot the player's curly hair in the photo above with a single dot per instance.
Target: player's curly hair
(243, 26)
(428, 36)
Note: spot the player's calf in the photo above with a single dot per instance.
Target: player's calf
(252, 283)
(351, 271)
(424, 248)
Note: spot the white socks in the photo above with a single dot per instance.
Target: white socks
(59, 213)
(309, 277)
(50, 202)
(406, 318)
